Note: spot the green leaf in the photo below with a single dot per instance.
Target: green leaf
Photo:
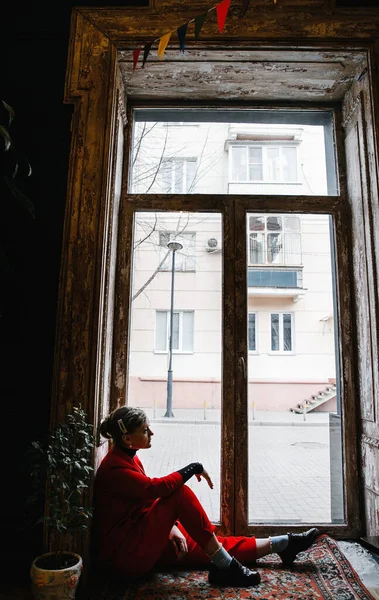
(10, 111)
(6, 137)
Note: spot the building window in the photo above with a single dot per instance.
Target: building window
(184, 258)
(281, 332)
(252, 332)
(271, 164)
(182, 337)
(274, 240)
(177, 175)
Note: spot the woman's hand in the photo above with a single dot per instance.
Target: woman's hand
(207, 478)
(179, 542)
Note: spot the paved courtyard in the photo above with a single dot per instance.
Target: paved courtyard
(289, 462)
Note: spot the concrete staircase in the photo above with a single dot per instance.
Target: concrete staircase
(316, 400)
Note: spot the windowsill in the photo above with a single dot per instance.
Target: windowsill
(281, 353)
(257, 182)
(268, 266)
(177, 271)
(252, 352)
(174, 352)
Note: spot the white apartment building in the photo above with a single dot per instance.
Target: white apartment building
(290, 332)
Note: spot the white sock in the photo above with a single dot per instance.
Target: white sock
(221, 558)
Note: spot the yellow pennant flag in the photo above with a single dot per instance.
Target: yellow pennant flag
(163, 44)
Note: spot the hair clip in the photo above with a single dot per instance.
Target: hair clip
(122, 426)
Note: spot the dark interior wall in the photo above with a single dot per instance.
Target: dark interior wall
(34, 55)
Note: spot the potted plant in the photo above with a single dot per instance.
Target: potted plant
(60, 468)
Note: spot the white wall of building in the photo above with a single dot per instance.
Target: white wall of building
(197, 374)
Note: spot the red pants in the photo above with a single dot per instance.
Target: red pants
(148, 545)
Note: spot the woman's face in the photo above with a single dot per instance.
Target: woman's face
(140, 438)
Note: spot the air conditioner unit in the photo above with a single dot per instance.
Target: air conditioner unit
(213, 245)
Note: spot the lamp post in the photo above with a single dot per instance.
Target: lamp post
(173, 246)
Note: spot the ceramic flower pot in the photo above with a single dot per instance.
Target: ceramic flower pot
(51, 583)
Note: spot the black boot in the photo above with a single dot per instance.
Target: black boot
(298, 542)
(236, 575)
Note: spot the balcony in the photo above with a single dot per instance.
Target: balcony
(280, 282)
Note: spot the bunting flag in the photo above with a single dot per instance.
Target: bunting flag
(222, 11)
(163, 44)
(199, 22)
(182, 31)
(221, 8)
(245, 6)
(146, 52)
(136, 54)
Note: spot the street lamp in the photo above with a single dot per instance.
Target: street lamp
(173, 246)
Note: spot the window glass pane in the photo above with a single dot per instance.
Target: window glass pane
(187, 253)
(255, 155)
(274, 223)
(287, 333)
(161, 331)
(289, 166)
(187, 333)
(232, 153)
(257, 248)
(165, 177)
(238, 163)
(293, 249)
(257, 223)
(275, 248)
(274, 332)
(255, 164)
(184, 258)
(190, 175)
(296, 329)
(251, 326)
(197, 359)
(255, 173)
(273, 164)
(291, 224)
(175, 331)
(178, 176)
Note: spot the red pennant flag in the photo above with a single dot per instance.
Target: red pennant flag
(136, 54)
(222, 11)
(146, 52)
(245, 6)
(182, 31)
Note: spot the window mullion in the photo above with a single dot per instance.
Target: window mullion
(281, 336)
(180, 331)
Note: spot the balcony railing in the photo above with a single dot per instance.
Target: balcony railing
(275, 277)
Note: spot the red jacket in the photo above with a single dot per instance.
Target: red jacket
(123, 493)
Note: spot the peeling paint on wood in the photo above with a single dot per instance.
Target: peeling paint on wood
(297, 50)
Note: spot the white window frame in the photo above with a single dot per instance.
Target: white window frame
(284, 232)
(175, 162)
(180, 336)
(281, 333)
(251, 312)
(265, 169)
(185, 262)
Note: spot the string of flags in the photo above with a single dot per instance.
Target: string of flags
(221, 9)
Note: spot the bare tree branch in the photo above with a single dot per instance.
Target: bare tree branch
(148, 235)
(151, 277)
(160, 162)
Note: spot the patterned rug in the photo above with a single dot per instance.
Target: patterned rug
(321, 572)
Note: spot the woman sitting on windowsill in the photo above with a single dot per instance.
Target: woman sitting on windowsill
(142, 522)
